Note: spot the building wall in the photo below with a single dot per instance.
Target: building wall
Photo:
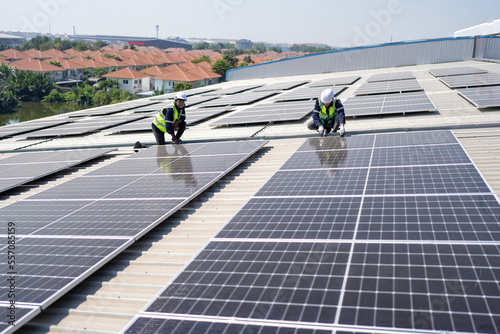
(380, 56)
(488, 47)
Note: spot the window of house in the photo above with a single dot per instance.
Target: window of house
(125, 82)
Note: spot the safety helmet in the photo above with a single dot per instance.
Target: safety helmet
(180, 96)
(326, 96)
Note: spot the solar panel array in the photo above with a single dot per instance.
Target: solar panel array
(65, 233)
(334, 81)
(237, 99)
(25, 167)
(268, 113)
(386, 233)
(231, 90)
(86, 125)
(24, 127)
(391, 76)
(388, 104)
(444, 72)
(193, 116)
(384, 87)
(482, 97)
(306, 93)
(471, 80)
(280, 86)
(112, 108)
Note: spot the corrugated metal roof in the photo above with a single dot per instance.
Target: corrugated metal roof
(107, 301)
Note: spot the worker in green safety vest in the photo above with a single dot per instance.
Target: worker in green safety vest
(170, 119)
(328, 115)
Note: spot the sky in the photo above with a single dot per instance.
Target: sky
(337, 23)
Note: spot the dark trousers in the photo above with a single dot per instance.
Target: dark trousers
(328, 125)
(160, 135)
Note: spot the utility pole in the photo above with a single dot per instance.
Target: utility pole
(157, 28)
(74, 30)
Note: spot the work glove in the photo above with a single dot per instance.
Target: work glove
(321, 130)
(342, 131)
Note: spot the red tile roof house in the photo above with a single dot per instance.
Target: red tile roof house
(167, 80)
(35, 65)
(131, 80)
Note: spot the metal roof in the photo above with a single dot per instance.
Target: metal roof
(107, 300)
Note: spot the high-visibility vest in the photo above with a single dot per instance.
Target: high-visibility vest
(159, 120)
(324, 114)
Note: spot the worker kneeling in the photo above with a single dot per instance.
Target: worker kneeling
(328, 115)
(170, 119)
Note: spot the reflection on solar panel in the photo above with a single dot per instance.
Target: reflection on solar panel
(65, 233)
(334, 82)
(193, 116)
(396, 233)
(268, 113)
(384, 87)
(26, 167)
(471, 80)
(391, 76)
(444, 72)
(306, 93)
(85, 126)
(280, 86)
(231, 90)
(112, 108)
(24, 127)
(388, 104)
(482, 97)
(237, 99)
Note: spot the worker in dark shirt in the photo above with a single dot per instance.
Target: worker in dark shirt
(328, 115)
(170, 119)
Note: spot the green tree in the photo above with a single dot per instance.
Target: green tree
(30, 86)
(8, 101)
(275, 49)
(201, 46)
(101, 98)
(248, 59)
(233, 61)
(3, 47)
(108, 84)
(180, 86)
(202, 58)
(99, 45)
(54, 96)
(221, 66)
(261, 48)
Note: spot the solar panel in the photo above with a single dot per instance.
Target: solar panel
(193, 116)
(85, 126)
(471, 80)
(444, 72)
(112, 108)
(24, 127)
(371, 238)
(334, 81)
(231, 90)
(384, 87)
(482, 97)
(26, 167)
(306, 93)
(391, 76)
(237, 99)
(189, 92)
(280, 86)
(388, 104)
(65, 233)
(268, 113)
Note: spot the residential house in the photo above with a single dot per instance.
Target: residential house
(167, 80)
(35, 65)
(131, 80)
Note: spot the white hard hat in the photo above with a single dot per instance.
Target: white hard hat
(326, 96)
(180, 96)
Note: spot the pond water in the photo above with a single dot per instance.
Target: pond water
(27, 111)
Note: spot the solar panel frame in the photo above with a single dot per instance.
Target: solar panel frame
(21, 170)
(280, 86)
(451, 71)
(253, 270)
(48, 224)
(335, 81)
(381, 104)
(306, 93)
(12, 130)
(237, 99)
(482, 97)
(112, 108)
(267, 113)
(391, 76)
(471, 80)
(385, 87)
